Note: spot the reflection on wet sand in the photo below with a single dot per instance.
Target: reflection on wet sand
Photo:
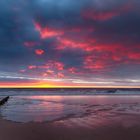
(73, 111)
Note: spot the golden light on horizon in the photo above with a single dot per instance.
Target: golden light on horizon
(56, 85)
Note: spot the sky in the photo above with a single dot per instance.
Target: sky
(86, 43)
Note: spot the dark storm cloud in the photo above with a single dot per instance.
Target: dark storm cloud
(90, 38)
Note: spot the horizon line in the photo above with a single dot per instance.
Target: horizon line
(66, 87)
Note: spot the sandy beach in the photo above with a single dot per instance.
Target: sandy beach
(48, 131)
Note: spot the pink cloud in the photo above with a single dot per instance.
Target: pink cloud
(94, 14)
(39, 51)
(47, 32)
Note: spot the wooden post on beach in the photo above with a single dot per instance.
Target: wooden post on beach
(4, 100)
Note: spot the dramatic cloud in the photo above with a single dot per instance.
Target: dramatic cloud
(107, 14)
(47, 32)
(86, 42)
(39, 51)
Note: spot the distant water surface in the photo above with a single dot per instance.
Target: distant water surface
(70, 91)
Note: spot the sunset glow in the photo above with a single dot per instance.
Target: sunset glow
(79, 44)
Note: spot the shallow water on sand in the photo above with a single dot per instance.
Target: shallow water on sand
(69, 110)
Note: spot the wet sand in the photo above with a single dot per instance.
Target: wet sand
(115, 130)
(71, 118)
